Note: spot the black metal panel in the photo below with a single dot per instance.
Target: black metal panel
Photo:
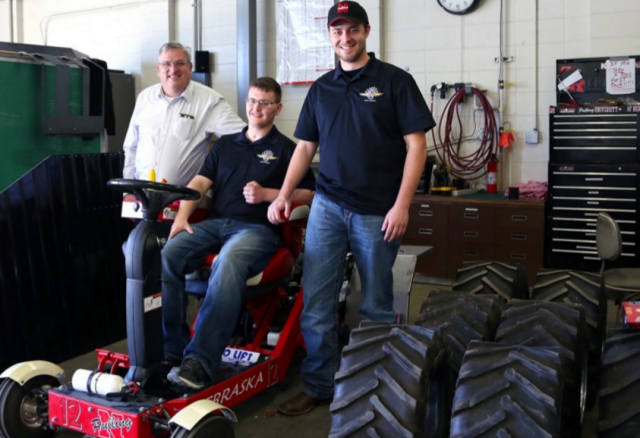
(62, 280)
(578, 192)
(592, 86)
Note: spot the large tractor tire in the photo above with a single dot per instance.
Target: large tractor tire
(392, 382)
(546, 324)
(620, 386)
(586, 289)
(508, 391)
(503, 279)
(461, 318)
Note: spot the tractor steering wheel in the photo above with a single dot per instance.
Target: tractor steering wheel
(153, 196)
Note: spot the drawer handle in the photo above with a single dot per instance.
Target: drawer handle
(594, 179)
(518, 256)
(427, 213)
(424, 206)
(471, 215)
(518, 237)
(519, 217)
(427, 231)
(470, 234)
(470, 253)
(470, 209)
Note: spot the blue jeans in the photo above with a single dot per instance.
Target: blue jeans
(244, 250)
(330, 231)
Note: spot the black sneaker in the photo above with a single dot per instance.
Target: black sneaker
(171, 362)
(193, 374)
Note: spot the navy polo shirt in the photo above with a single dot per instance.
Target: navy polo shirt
(359, 125)
(234, 161)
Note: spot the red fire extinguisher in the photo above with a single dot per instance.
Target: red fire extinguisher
(492, 176)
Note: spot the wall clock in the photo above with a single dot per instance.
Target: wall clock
(458, 7)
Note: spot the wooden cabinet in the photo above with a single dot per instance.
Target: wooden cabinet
(467, 229)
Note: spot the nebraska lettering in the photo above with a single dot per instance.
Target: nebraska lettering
(238, 389)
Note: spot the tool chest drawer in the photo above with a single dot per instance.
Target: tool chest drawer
(584, 136)
(474, 230)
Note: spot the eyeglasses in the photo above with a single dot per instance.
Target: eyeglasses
(262, 103)
(175, 63)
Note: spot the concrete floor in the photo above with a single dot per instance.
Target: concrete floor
(254, 416)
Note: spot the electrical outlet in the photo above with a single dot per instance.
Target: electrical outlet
(531, 137)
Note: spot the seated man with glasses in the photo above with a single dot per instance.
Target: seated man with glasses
(172, 122)
(244, 170)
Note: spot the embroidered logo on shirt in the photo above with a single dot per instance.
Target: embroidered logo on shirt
(370, 93)
(267, 156)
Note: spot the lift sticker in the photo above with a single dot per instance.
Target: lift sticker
(152, 302)
(234, 355)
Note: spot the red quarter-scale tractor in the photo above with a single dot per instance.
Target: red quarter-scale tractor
(128, 395)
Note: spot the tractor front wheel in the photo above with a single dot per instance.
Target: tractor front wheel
(210, 426)
(24, 411)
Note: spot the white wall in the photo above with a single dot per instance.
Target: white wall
(416, 35)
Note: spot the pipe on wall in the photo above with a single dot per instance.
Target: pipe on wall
(197, 25)
(11, 21)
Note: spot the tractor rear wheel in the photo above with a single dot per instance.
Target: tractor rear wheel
(392, 382)
(503, 279)
(461, 318)
(586, 289)
(508, 391)
(620, 386)
(547, 324)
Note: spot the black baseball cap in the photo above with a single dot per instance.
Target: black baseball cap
(350, 11)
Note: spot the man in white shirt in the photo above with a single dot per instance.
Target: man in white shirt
(172, 122)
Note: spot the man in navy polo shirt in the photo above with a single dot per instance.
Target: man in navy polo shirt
(245, 171)
(369, 120)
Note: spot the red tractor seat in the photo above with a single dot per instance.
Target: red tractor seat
(277, 270)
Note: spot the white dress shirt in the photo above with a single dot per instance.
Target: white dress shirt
(170, 135)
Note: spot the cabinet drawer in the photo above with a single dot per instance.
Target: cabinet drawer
(512, 217)
(471, 214)
(529, 237)
(518, 254)
(471, 233)
(465, 253)
(426, 233)
(428, 212)
(434, 263)
(530, 258)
